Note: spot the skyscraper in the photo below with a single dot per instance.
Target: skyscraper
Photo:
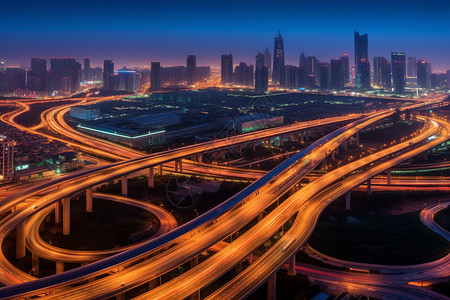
(302, 63)
(155, 76)
(37, 78)
(324, 73)
(244, 74)
(411, 67)
(261, 74)
(226, 69)
(87, 69)
(64, 74)
(362, 65)
(398, 65)
(345, 68)
(423, 74)
(6, 158)
(191, 66)
(381, 72)
(108, 69)
(312, 70)
(268, 61)
(337, 74)
(278, 58)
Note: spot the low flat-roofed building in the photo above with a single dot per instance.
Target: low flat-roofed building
(256, 122)
(64, 162)
(86, 113)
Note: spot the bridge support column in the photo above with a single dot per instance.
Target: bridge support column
(124, 181)
(291, 271)
(324, 164)
(59, 267)
(34, 264)
(272, 287)
(151, 178)
(199, 158)
(160, 169)
(194, 261)
(250, 258)
(89, 200)
(388, 177)
(425, 155)
(301, 137)
(57, 212)
(369, 187)
(120, 296)
(20, 240)
(253, 146)
(238, 268)
(154, 283)
(66, 216)
(294, 137)
(345, 145)
(239, 150)
(357, 138)
(347, 200)
(260, 216)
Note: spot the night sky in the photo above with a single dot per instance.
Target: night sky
(133, 33)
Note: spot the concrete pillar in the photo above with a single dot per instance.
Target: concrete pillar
(199, 158)
(89, 200)
(337, 151)
(34, 264)
(20, 240)
(151, 178)
(239, 267)
(369, 187)
(194, 261)
(357, 138)
(345, 145)
(239, 149)
(253, 145)
(59, 267)
(196, 295)
(120, 296)
(347, 200)
(176, 169)
(124, 181)
(180, 165)
(160, 169)
(324, 164)
(57, 212)
(291, 270)
(66, 216)
(154, 283)
(272, 287)
(388, 176)
(250, 259)
(425, 155)
(260, 216)
(301, 137)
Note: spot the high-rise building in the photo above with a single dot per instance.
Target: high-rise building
(312, 70)
(2, 65)
(127, 80)
(302, 63)
(87, 69)
(191, 68)
(324, 74)
(411, 67)
(278, 58)
(37, 77)
(448, 79)
(226, 69)
(64, 75)
(268, 61)
(423, 74)
(202, 73)
(261, 74)
(398, 65)
(108, 70)
(7, 158)
(244, 74)
(381, 72)
(362, 64)
(155, 76)
(345, 68)
(337, 74)
(289, 77)
(12, 79)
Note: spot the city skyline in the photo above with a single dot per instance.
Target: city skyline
(101, 30)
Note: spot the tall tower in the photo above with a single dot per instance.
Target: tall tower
(155, 75)
(39, 74)
(226, 69)
(278, 58)
(7, 158)
(261, 74)
(362, 65)
(345, 68)
(337, 74)
(108, 69)
(191, 66)
(398, 64)
(87, 69)
(268, 61)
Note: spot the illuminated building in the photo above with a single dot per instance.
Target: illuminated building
(37, 77)
(312, 71)
(191, 66)
(256, 122)
(244, 74)
(85, 112)
(108, 70)
(12, 79)
(268, 61)
(226, 69)
(423, 74)
(155, 76)
(362, 64)
(278, 58)
(337, 74)
(398, 65)
(128, 81)
(64, 75)
(381, 72)
(7, 158)
(345, 68)
(87, 69)
(261, 74)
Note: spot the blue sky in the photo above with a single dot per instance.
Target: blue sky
(136, 32)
